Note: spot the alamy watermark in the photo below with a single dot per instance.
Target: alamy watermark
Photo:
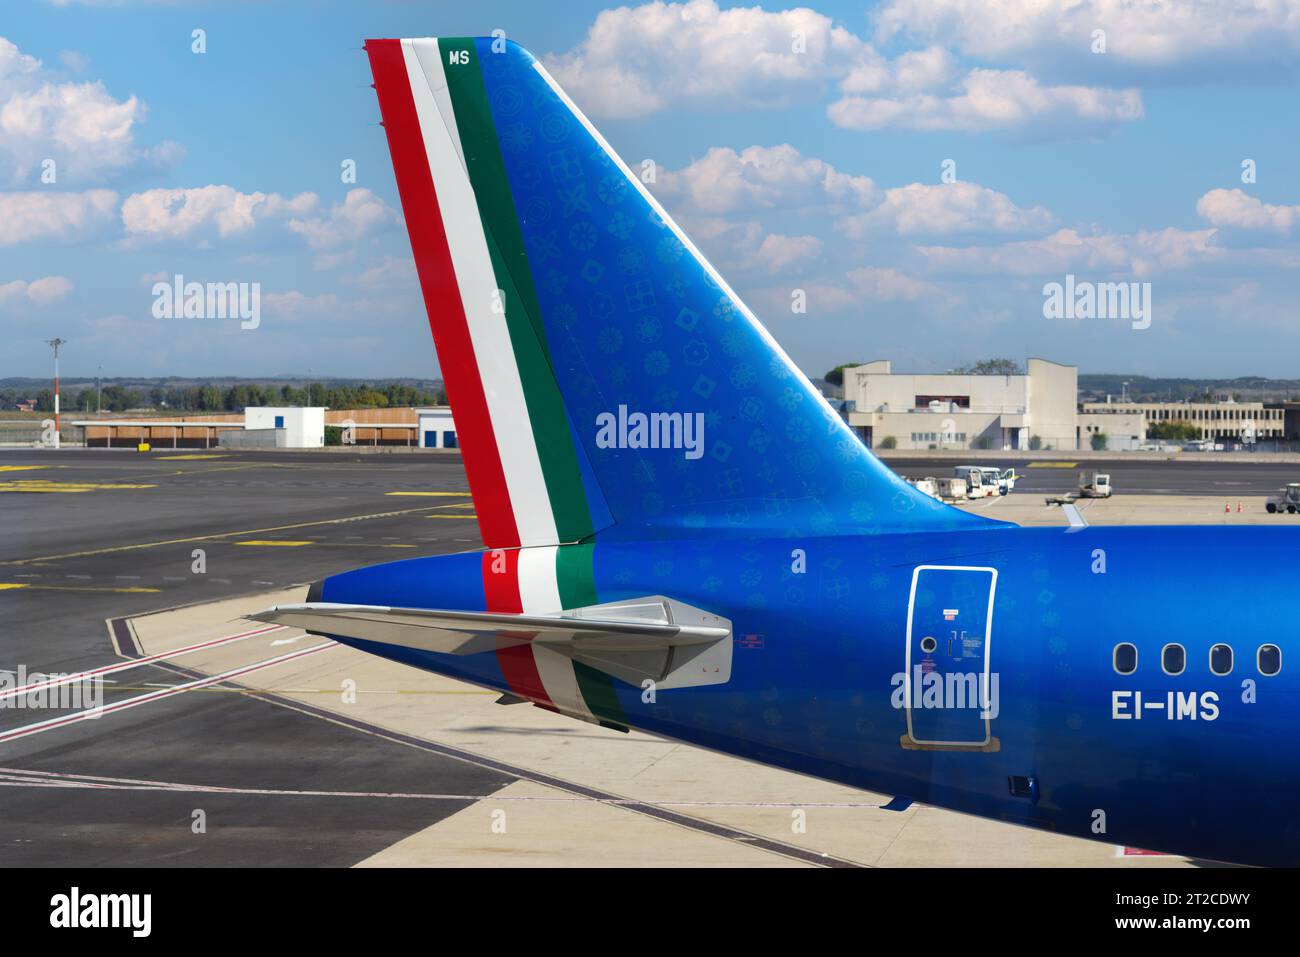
(24, 690)
(179, 299)
(133, 912)
(956, 690)
(1098, 300)
(653, 430)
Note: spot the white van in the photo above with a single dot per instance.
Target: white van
(992, 480)
(974, 478)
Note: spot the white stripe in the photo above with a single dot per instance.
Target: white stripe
(539, 594)
(539, 586)
(94, 713)
(430, 62)
(56, 681)
(560, 681)
(478, 292)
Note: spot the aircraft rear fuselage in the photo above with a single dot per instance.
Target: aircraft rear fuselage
(971, 670)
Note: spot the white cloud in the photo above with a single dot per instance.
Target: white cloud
(1150, 35)
(777, 252)
(910, 72)
(764, 177)
(946, 209)
(638, 60)
(40, 216)
(40, 292)
(819, 298)
(89, 133)
(881, 285)
(989, 100)
(1139, 254)
(360, 213)
(205, 212)
(293, 303)
(1237, 209)
(392, 272)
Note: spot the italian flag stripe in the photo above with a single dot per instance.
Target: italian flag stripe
(598, 691)
(479, 296)
(575, 574)
(543, 581)
(481, 151)
(501, 589)
(438, 284)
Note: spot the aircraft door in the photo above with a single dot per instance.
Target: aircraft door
(949, 699)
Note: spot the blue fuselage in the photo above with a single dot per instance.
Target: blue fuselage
(1195, 763)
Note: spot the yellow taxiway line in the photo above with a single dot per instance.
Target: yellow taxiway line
(112, 549)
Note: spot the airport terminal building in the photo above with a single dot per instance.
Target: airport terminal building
(1037, 410)
(1226, 421)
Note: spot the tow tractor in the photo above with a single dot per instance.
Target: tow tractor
(1094, 485)
(1288, 500)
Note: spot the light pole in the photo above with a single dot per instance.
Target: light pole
(99, 391)
(56, 343)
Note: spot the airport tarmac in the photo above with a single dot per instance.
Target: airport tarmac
(298, 751)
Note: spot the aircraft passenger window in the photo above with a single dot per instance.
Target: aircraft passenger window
(1126, 658)
(1173, 659)
(1269, 659)
(1221, 659)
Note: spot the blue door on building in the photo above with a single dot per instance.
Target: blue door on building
(449, 440)
(279, 422)
(430, 439)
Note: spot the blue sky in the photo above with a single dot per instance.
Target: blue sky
(817, 169)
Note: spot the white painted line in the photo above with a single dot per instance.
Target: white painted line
(95, 713)
(58, 680)
(21, 777)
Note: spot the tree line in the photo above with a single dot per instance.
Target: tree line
(235, 398)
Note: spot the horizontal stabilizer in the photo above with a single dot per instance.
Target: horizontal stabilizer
(668, 642)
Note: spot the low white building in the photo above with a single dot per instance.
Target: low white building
(436, 429)
(304, 428)
(960, 411)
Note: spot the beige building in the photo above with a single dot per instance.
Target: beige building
(952, 411)
(1220, 421)
(1124, 431)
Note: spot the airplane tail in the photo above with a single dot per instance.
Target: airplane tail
(602, 374)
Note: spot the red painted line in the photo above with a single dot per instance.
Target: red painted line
(501, 590)
(96, 713)
(65, 679)
(460, 372)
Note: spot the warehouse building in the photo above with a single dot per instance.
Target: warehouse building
(1037, 410)
(288, 427)
(1227, 421)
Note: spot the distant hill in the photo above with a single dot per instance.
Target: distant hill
(221, 382)
(1095, 386)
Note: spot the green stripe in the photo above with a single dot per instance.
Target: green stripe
(598, 691)
(487, 173)
(575, 575)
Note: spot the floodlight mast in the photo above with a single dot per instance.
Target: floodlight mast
(55, 343)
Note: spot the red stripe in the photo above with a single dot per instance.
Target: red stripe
(460, 373)
(501, 589)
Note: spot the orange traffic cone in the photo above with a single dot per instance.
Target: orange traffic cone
(1227, 507)
(1239, 508)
